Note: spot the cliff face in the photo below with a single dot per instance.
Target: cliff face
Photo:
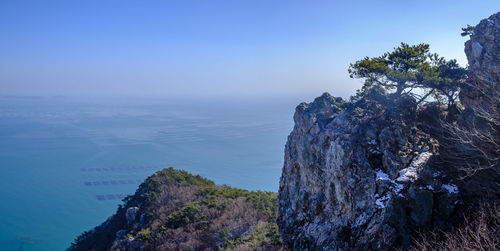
(357, 177)
(364, 175)
(481, 97)
(483, 54)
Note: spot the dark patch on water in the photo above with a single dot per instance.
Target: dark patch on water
(111, 182)
(110, 196)
(126, 168)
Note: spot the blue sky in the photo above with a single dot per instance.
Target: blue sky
(214, 48)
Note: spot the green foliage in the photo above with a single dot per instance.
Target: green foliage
(212, 197)
(340, 103)
(467, 31)
(265, 202)
(406, 69)
(260, 236)
(192, 217)
(273, 234)
(393, 70)
(158, 228)
(226, 242)
(444, 77)
(144, 235)
(190, 213)
(173, 176)
(128, 235)
(149, 190)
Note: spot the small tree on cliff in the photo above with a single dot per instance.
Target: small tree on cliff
(442, 78)
(395, 70)
(467, 31)
(410, 70)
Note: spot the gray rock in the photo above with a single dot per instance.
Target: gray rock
(354, 182)
(477, 48)
(131, 214)
(120, 234)
(142, 219)
(356, 179)
(483, 55)
(480, 96)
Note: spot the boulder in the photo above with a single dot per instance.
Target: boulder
(131, 214)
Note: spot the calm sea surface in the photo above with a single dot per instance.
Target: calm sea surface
(66, 164)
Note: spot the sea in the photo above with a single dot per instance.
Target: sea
(66, 163)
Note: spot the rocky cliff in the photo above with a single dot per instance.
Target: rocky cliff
(356, 176)
(364, 175)
(483, 54)
(481, 118)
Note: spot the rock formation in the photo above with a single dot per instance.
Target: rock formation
(481, 119)
(483, 54)
(356, 177)
(360, 176)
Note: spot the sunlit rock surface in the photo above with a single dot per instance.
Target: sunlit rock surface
(483, 55)
(357, 177)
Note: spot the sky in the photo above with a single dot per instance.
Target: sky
(210, 48)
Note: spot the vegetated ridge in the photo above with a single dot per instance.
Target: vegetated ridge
(175, 210)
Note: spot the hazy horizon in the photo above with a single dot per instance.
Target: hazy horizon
(213, 50)
(96, 96)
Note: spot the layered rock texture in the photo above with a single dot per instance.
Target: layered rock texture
(356, 176)
(481, 119)
(483, 54)
(365, 175)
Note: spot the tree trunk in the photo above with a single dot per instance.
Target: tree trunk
(399, 89)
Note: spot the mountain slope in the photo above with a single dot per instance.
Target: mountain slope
(175, 210)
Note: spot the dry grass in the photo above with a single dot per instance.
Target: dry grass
(479, 232)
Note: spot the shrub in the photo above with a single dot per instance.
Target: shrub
(144, 235)
(479, 232)
(188, 214)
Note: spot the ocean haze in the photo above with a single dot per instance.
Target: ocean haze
(68, 162)
(95, 96)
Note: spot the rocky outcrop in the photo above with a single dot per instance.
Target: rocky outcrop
(366, 175)
(356, 176)
(175, 210)
(130, 214)
(480, 122)
(483, 54)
